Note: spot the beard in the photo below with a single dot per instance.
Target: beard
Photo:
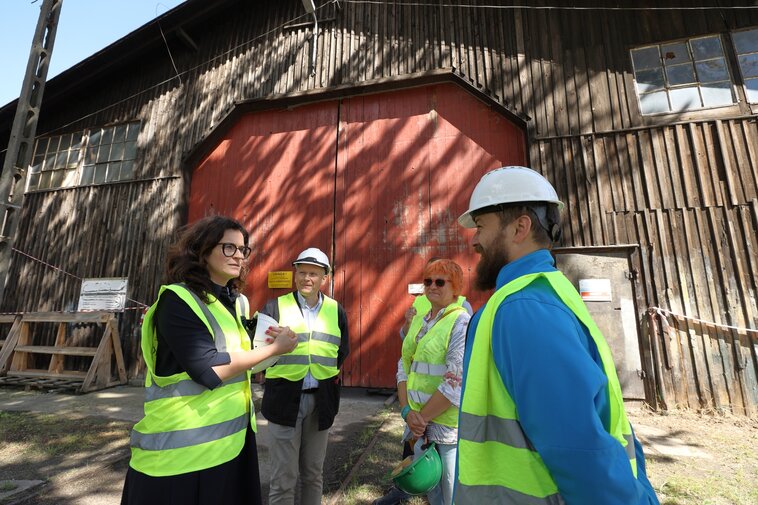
(490, 262)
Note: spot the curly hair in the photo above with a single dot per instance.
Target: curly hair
(186, 260)
(448, 268)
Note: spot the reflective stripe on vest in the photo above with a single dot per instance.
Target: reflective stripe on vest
(188, 437)
(186, 387)
(188, 427)
(424, 363)
(317, 349)
(496, 460)
(243, 306)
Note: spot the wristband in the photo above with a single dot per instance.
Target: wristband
(404, 412)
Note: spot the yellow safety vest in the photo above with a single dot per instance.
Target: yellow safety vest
(424, 363)
(188, 427)
(496, 460)
(423, 306)
(316, 350)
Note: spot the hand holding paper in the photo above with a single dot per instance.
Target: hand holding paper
(268, 332)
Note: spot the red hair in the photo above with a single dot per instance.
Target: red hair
(447, 268)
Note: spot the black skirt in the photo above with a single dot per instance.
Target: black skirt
(234, 482)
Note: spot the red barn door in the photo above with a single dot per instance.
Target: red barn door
(377, 182)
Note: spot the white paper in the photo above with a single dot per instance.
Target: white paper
(259, 340)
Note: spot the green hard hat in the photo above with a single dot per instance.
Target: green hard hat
(422, 474)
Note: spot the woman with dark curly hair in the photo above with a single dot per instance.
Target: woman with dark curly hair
(196, 443)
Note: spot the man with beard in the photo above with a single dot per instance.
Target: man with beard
(542, 418)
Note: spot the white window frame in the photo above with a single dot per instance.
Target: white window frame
(94, 156)
(671, 90)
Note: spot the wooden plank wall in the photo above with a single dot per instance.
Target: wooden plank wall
(686, 193)
(74, 237)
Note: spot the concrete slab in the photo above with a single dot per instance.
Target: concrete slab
(658, 441)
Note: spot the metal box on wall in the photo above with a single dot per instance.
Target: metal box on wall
(605, 277)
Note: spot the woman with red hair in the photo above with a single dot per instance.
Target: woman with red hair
(429, 372)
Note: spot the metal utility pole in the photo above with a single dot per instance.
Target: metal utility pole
(19, 154)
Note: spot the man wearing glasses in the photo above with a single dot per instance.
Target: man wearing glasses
(301, 395)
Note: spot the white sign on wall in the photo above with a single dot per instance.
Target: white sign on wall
(105, 293)
(415, 289)
(595, 290)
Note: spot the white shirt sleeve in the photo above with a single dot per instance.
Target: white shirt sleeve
(451, 385)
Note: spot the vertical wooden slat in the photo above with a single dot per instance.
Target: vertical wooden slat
(726, 340)
(729, 172)
(711, 312)
(700, 351)
(746, 171)
(634, 170)
(594, 190)
(744, 318)
(660, 170)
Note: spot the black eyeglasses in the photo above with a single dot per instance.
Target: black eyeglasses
(230, 249)
(437, 282)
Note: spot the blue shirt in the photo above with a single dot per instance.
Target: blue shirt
(550, 366)
(310, 314)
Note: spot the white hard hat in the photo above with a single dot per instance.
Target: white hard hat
(313, 256)
(508, 185)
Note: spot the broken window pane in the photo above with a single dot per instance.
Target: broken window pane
(675, 53)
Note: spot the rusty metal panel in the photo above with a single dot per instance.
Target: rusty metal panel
(274, 171)
(407, 163)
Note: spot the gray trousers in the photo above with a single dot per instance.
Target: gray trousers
(298, 451)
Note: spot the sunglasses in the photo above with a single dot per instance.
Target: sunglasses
(437, 282)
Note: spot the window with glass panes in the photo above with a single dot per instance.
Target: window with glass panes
(746, 47)
(55, 161)
(96, 156)
(682, 76)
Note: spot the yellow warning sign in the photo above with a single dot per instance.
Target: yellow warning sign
(280, 279)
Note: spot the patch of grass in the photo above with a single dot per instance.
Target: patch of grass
(724, 476)
(7, 486)
(705, 490)
(372, 479)
(345, 462)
